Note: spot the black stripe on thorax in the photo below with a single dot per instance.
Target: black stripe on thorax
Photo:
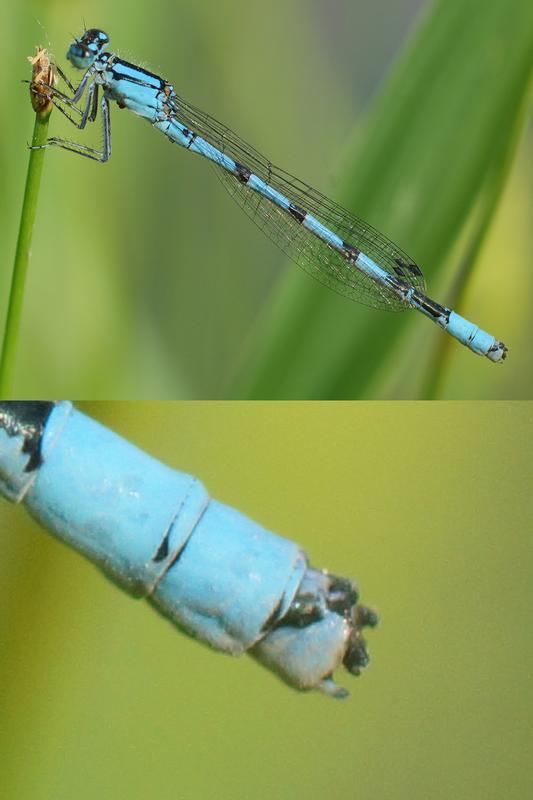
(156, 83)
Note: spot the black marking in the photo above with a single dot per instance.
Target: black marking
(193, 136)
(399, 286)
(242, 173)
(365, 617)
(272, 619)
(356, 657)
(95, 35)
(430, 306)
(298, 213)
(157, 81)
(352, 253)
(338, 595)
(406, 266)
(178, 556)
(90, 44)
(135, 81)
(342, 596)
(304, 610)
(27, 419)
(162, 550)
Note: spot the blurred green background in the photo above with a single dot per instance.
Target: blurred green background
(428, 505)
(147, 281)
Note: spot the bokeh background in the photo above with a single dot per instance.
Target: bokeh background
(428, 505)
(148, 281)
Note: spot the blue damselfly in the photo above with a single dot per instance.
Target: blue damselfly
(158, 535)
(327, 241)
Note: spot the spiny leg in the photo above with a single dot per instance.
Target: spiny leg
(78, 93)
(88, 113)
(64, 78)
(83, 150)
(51, 88)
(59, 97)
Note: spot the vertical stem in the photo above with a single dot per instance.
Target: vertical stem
(22, 255)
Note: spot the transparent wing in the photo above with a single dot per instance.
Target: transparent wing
(316, 257)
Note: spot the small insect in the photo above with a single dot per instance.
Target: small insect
(156, 533)
(332, 245)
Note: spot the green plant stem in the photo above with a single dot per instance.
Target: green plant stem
(22, 256)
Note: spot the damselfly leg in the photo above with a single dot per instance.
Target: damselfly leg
(88, 113)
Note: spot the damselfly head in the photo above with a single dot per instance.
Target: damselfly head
(85, 50)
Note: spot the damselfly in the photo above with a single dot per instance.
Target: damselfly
(328, 242)
(157, 534)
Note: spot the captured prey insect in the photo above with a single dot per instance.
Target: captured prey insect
(328, 242)
(156, 533)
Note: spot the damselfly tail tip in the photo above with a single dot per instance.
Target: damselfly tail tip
(498, 352)
(321, 631)
(366, 617)
(329, 687)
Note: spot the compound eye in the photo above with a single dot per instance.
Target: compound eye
(80, 50)
(96, 35)
(80, 55)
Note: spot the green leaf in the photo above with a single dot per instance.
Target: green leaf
(444, 122)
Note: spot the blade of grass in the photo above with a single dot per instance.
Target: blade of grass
(496, 181)
(42, 71)
(416, 172)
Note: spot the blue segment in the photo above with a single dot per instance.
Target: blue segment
(229, 580)
(462, 329)
(317, 229)
(209, 569)
(203, 148)
(173, 131)
(473, 337)
(382, 275)
(110, 501)
(150, 112)
(142, 100)
(373, 271)
(267, 191)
